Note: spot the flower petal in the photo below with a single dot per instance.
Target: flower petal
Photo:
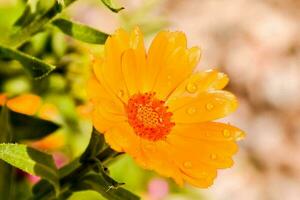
(176, 68)
(214, 154)
(107, 109)
(204, 107)
(209, 131)
(155, 156)
(99, 95)
(122, 138)
(109, 71)
(200, 82)
(169, 62)
(103, 120)
(130, 71)
(27, 104)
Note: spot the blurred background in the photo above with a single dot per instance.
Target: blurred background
(256, 42)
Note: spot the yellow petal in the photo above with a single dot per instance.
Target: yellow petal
(209, 131)
(26, 104)
(122, 138)
(109, 71)
(155, 156)
(214, 154)
(200, 82)
(176, 68)
(206, 106)
(169, 62)
(99, 95)
(130, 71)
(102, 122)
(138, 48)
(107, 109)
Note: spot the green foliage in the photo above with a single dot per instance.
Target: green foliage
(36, 24)
(95, 146)
(25, 127)
(30, 128)
(31, 161)
(80, 31)
(6, 175)
(99, 183)
(110, 6)
(35, 67)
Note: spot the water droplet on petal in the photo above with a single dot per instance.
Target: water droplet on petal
(121, 93)
(226, 133)
(191, 88)
(213, 156)
(209, 106)
(191, 110)
(187, 164)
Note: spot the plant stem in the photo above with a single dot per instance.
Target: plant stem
(105, 156)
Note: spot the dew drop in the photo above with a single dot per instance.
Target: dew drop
(121, 93)
(191, 87)
(209, 106)
(213, 156)
(191, 110)
(187, 164)
(226, 133)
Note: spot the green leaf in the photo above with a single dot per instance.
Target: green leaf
(36, 67)
(31, 161)
(99, 184)
(109, 5)
(27, 127)
(95, 146)
(6, 171)
(20, 36)
(60, 5)
(80, 32)
(28, 14)
(41, 188)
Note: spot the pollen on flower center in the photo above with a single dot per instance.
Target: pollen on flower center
(149, 117)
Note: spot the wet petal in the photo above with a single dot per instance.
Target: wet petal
(209, 131)
(200, 82)
(176, 68)
(207, 106)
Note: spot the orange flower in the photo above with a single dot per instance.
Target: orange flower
(152, 106)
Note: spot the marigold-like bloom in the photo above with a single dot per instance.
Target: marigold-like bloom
(153, 106)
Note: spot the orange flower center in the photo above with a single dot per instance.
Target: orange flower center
(149, 117)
